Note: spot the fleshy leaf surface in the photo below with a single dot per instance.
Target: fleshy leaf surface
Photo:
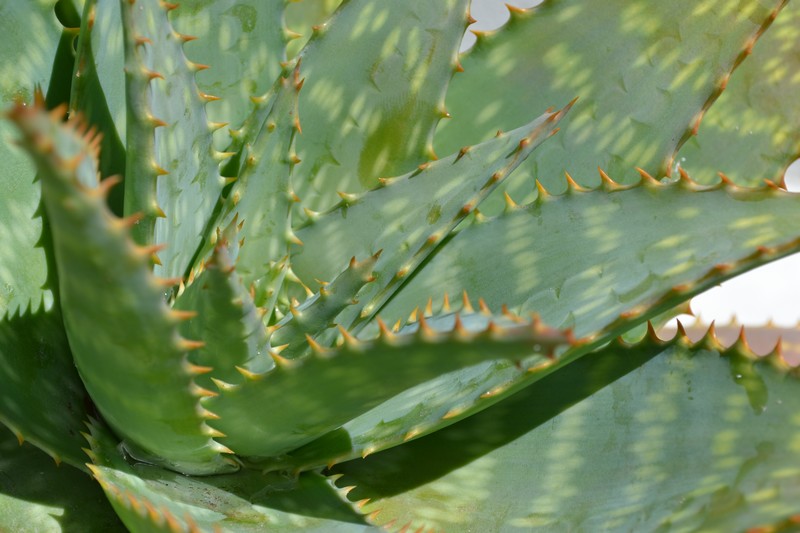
(243, 42)
(614, 256)
(410, 215)
(751, 133)
(101, 24)
(23, 268)
(122, 334)
(695, 439)
(315, 316)
(434, 404)
(172, 174)
(601, 293)
(42, 398)
(226, 319)
(89, 99)
(644, 73)
(36, 495)
(261, 199)
(149, 499)
(301, 18)
(334, 385)
(400, 57)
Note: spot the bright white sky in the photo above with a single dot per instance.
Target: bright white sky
(768, 293)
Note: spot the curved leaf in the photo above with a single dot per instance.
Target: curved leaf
(23, 267)
(42, 397)
(88, 98)
(409, 215)
(302, 16)
(36, 495)
(400, 57)
(751, 133)
(335, 385)
(149, 499)
(243, 42)
(124, 337)
(644, 73)
(696, 439)
(607, 259)
(172, 175)
(226, 319)
(262, 196)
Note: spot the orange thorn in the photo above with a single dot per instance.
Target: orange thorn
(646, 177)
(466, 305)
(188, 345)
(151, 75)
(181, 315)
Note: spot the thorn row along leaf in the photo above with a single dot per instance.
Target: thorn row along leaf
(90, 246)
(372, 370)
(290, 277)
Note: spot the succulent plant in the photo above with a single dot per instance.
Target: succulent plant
(252, 297)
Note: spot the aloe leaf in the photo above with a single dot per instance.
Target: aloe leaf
(226, 319)
(434, 404)
(438, 403)
(315, 316)
(637, 105)
(301, 18)
(88, 99)
(600, 293)
(401, 56)
(334, 385)
(101, 22)
(706, 449)
(409, 215)
(243, 43)
(124, 338)
(149, 499)
(262, 196)
(37, 495)
(751, 132)
(172, 174)
(23, 266)
(675, 240)
(42, 398)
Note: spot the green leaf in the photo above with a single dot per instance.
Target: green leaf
(124, 337)
(148, 498)
(23, 266)
(751, 132)
(302, 16)
(335, 385)
(262, 196)
(400, 57)
(644, 73)
(689, 441)
(409, 215)
(42, 398)
(168, 133)
(607, 259)
(434, 404)
(36, 495)
(674, 241)
(88, 99)
(102, 21)
(315, 316)
(227, 321)
(243, 43)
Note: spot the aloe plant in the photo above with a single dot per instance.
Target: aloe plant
(241, 291)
